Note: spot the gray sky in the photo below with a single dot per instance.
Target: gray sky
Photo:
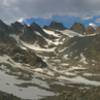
(11, 10)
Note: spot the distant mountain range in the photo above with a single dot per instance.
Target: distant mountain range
(68, 21)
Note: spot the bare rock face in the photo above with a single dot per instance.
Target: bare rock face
(4, 31)
(88, 45)
(78, 27)
(19, 55)
(98, 29)
(17, 27)
(9, 46)
(32, 35)
(6, 96)
(90, 30)
(27, 57)
(68, 58)
(3, 27)
(54, 25)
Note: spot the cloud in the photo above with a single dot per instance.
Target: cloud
(11, 10)
(93, 25)
(97, 20)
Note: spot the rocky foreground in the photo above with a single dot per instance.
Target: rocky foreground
(5, 96)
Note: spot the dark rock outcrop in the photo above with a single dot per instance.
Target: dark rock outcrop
(90, 30)
(98, 29)
(3, 27)
(17, 27)
(32, 35)
(9, 46)
(5, 30)
(87, 45)
(54, 25)
(78, 27)
(21, 56)
(6, 96)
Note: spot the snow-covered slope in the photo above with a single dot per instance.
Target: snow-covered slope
(42, 61)
(70, 33)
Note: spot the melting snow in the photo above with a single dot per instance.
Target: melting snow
(71, 33)
(80, 80)
(30, 92)
(37, 48)
(16, 37)
(51, 32)
(38, 33)
(91, 74)
(83, 59)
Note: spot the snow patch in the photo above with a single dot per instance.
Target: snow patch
(37, 48)
(83, 59)
(70, 33)
(16, 37)
(80, 80)
(51, 33)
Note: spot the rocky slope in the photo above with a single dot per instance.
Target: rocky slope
(49, 58)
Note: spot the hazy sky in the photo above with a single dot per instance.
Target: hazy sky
(11, 10)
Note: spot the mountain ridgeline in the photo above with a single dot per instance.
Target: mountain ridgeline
(51, 48)
(13, 38)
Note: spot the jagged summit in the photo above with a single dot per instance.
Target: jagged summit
(4, 28)
(3, 25)
(55, 25)
(36, 27)
(90, 30)
(17, 27)
(78, 27)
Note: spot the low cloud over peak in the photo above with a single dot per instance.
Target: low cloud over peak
(11, 10)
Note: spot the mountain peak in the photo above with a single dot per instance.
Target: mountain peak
(78, 27)
(90, 30)
(55, 25)
(3, 25)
